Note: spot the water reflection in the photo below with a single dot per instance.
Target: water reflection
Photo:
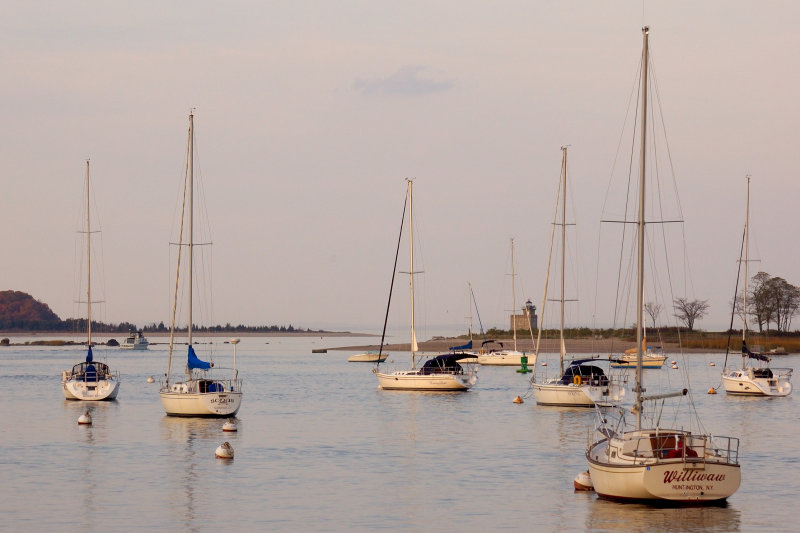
(606, 515)
(191, 442)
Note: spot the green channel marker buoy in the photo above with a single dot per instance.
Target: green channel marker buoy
(523, 360)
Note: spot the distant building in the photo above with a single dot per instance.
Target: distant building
(527, 321)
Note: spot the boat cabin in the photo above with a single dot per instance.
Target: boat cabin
(442, 364)
(90, 372)
(581, 374)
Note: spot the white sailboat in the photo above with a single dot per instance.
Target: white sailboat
(753, 380)
(465, 352)
(90, 380)
(505, 356)
(440, 373)
(581, 384)
(657, 464)
(206, 391)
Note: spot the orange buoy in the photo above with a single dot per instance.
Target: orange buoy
(518, 399)
(712, 390)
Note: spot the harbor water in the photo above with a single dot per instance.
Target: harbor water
(321, 448)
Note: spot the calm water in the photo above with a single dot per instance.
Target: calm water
(320, 448)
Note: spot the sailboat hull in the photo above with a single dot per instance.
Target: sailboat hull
(626, 474)
(741, 383)
(104, 389)
(410, 380)
(209, 404)
(502, 358)
(572, 395)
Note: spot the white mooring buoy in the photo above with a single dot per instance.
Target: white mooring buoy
(85, 419)
(224, 451)
(583, 481)
(230, 425)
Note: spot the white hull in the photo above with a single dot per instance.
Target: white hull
(572, 395)
(367, 358)
(744, 383)
(502, 358)
(648, 361)
(104, 389)
(208, 404)
(137, 346)
(411, 380)
(640, 476)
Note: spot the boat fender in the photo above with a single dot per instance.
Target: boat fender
(576, 380)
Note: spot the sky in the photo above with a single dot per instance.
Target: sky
(311, 115)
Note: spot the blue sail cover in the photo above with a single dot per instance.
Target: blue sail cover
(89, 356)
(194, 362)
(467, 346)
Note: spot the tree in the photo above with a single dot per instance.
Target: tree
(689, 311)
(653, 309)
(774, 300)
(761, 304)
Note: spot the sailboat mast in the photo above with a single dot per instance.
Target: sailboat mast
(746, 261)
(411, 272)
(88, 263)
(513, 296)
(563, 348)
(469, 303)
(191, 220)
(640, 229)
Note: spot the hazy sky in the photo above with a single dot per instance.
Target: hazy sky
(310, 115)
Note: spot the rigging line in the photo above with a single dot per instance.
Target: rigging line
(391, 285)
(547, 275)
(180, 248)
(630, 174)
(475, 303)
(686, 265)
(733, 305)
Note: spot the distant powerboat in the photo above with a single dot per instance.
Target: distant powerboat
(135, 341)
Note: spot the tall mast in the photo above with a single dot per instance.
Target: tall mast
(414, 346)
(469, 303)
(640, 234)
(191, 219)
(88, 262)
(563, 244)
(513, 297)
(746, 261)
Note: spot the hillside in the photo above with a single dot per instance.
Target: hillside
(21, 310)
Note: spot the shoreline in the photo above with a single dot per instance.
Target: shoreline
(72, 334)
(581, 346)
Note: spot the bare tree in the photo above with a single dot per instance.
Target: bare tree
(653, 309)
(689, 311)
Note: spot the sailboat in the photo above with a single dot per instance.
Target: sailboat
(206, 391)
(440, 373)
(505, 356)
(464, 351)
(89, 380)
(657, 464)
(753, 380)
(582, 383)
